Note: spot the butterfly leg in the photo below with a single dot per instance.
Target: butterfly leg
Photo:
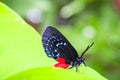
(76, 68)
(72, 65)
(84, 63)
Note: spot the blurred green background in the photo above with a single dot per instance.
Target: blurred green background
(82, 22)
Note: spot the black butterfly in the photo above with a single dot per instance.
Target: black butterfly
(57, 46)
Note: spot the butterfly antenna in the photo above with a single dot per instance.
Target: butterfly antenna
(87, 49)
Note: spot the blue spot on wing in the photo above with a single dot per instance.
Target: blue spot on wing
(52, 46)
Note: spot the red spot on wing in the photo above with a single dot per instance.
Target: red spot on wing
(61, 63)
(61, 60)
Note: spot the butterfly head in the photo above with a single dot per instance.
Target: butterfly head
(80, 60)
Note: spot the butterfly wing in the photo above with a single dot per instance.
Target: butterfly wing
(57, 46)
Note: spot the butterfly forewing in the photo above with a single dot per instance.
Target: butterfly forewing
(57, 46)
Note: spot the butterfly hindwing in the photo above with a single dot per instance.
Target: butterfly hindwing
(57, 46)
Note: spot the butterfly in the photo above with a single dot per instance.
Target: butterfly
(58, 47)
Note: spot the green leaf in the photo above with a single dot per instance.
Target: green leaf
(20, 44)
(51, 73)
(22, 56)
